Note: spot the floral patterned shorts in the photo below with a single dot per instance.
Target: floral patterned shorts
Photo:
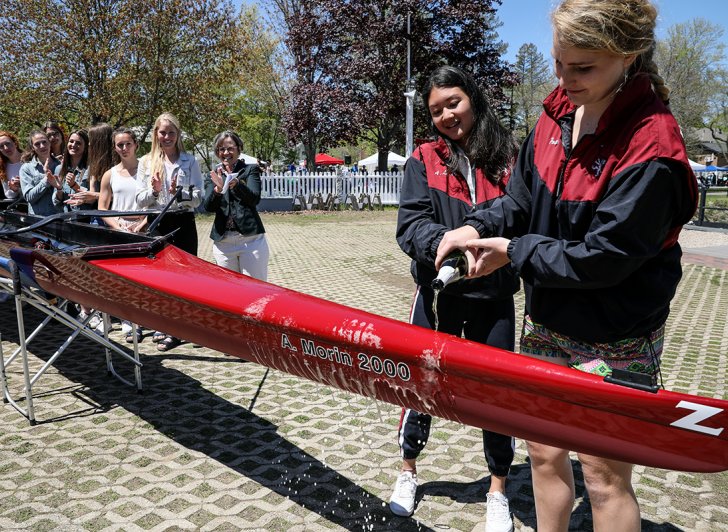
(641, 355)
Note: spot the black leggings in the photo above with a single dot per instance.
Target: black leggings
(490, 322)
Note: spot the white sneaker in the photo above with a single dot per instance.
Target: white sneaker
(126, 327)
(100, 328)
(95, 321)
(498, 513)
(402, 502)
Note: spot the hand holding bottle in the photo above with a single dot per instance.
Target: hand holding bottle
(456, 240)
(490, 254)
(453, 268)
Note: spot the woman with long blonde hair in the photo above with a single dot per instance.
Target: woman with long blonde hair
(590, 221)
(165, 168)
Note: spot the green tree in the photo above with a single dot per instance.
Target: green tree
(259, 89)
(718, 109)
(691, 60)
(535, 81)
(266, 90)
(117, 61)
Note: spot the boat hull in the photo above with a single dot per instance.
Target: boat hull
(391, 361)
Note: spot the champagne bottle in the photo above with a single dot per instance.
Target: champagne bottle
(454, 268)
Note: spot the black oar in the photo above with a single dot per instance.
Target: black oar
(72, 215)
(177, 195)
(67, 216)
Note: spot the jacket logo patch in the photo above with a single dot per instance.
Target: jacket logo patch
(598, 166)
(554, 141)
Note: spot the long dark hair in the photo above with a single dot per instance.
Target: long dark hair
(66, 164)
(100, 152)
(490, 145)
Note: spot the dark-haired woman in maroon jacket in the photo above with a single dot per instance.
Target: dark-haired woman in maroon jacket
(465, 169)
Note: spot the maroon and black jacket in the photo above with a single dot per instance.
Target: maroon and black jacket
(433, 201)
(594, 228)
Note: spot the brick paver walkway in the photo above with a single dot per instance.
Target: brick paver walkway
(214, 443)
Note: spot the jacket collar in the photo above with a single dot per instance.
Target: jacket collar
(239, 166)
(638, 89)
(441, 149)
(52, 161)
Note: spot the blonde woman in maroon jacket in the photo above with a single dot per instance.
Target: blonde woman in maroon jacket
(590, 221)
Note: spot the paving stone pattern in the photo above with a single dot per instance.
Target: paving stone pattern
(215, 443)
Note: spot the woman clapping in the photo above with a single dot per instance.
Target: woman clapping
(232, 192)
(37, 179)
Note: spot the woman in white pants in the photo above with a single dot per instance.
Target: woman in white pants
(232, 192)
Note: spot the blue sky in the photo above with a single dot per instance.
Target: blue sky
(528, 20)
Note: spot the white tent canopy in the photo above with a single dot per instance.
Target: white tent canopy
(697, 167)
(373, 160)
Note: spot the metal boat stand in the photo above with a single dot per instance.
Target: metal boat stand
(54, 309)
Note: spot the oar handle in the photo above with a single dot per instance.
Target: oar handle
(177, 196)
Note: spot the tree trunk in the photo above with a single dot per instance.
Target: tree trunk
(310, 150)
(384, 143)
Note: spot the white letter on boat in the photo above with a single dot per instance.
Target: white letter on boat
(702, 412)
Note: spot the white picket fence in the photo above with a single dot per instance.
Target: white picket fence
(386, 185)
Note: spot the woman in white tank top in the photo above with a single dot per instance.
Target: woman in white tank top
(118, 193)
(119, 184)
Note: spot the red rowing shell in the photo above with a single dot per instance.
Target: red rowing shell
(396, 362)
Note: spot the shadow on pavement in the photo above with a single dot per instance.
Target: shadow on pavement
(180, 408)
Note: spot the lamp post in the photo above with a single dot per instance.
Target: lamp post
(409, 122)
(409, 95)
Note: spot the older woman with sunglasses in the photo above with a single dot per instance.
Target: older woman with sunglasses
(232, 192)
